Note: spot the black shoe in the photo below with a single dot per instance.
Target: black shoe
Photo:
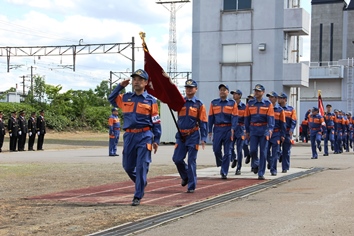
(350, 145)
(190, 191)
(326, 154)
(255, 170)
(136, 202)
(268, 166)
(234, 163)
(320, 148)
(336, 153)
(223, 176)
(112, 155)
(284, 171)
(280, 158)
(274, 174)
(248, 159)
(261, 178)
(238, 172)
(184, 182)
(332, 147)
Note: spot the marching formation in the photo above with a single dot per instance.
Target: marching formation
(336, 127)
(19, 128)
(260, 130)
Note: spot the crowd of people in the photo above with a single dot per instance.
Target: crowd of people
(260, 130)
(336, 128)
(18, 128)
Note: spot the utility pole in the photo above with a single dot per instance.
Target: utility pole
(23, 84)
(118, 74)
(172, 43)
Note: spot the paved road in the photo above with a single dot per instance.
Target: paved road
(320, 204)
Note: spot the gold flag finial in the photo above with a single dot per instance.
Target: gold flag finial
(319, 93)
(142, 36)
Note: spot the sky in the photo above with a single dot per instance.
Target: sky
(66, 22)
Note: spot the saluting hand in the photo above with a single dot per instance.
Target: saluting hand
(124, 83)
(155, 146)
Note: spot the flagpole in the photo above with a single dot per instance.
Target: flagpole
(142, 36)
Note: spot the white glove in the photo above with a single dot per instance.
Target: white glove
(10, 134)
(19, 132)
(39, 133)
(30, 134)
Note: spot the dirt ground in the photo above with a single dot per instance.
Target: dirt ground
(27, 217)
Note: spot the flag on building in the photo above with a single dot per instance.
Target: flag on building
(320, 104)
(160, 85)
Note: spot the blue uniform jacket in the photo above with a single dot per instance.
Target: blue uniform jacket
(139, 111)
(317, 124)
(329, 119)
(290, 117)
(113, 123)
(240, 129)
(193, 114)
(339, 124)
(259, 117)
(223, 112)
(279, 117)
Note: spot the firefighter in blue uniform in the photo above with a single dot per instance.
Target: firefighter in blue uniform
(259, 123)
(339, 128)
(114, 132)
(346, 132)
(278, 134)
(2, 131)
(192, 124)
(142, 129)
(290, 117)
(317, 126)
(239, 136)
(222, 124)
(329, 119)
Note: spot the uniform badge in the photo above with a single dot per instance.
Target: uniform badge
(189, 82)
(129, 99)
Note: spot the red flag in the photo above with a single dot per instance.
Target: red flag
(160, 85)
(320, 103)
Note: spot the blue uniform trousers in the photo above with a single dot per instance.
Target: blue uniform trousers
(315, 141)
(273, 152)
(261, 142)
(222, 137)
(137, 158)
(346, 141)
(190, 146)
(113, 142)
(338, 146)
(239, 141)
(330, 137)
(286, 153)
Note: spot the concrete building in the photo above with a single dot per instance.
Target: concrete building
(332, 55)
(11, 97)
(245, 42)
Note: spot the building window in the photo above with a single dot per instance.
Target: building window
(235, 5)
(237, 53)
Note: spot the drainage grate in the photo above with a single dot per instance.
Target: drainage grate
(188, 210)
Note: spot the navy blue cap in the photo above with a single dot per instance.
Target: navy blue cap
(14, 112)
(22, 112)
(335, 110)
(41, 111)
(283, 95)
(237, 92)
(251, 95)
(315, 109)
(225, 86)
(114, 109)
(272, 94)
(328, 105)
(190, 83)
(259, 87)
(141, 73)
